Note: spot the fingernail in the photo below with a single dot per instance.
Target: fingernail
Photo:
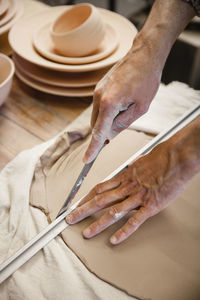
(113, 239)
(84, 159)
(86, 232)
(69, 219)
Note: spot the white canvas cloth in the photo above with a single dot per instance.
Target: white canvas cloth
(55, 272)
(170, 103)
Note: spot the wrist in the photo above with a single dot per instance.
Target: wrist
(184, 147)
(165, 22)
(147, 51)
(152, 41)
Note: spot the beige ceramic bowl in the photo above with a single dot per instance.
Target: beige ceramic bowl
(78, 31)
(6, 74)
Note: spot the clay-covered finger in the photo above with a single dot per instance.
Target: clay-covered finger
(93, 149)
(114, 213)
(100, 188)
(99, 202)
(96, 104)
(131, 225)
(101, 130)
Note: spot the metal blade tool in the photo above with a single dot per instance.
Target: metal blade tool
(8, 267)
(76, 186)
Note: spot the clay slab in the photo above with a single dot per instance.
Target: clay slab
(159, 261)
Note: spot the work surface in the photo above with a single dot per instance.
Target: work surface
(29, 117)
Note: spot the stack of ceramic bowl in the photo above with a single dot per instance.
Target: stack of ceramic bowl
(66, 50)
(10, 12)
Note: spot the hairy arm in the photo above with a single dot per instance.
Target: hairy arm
(126, 91)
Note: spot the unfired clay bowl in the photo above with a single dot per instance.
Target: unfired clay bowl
(78, 31)
(6, 74)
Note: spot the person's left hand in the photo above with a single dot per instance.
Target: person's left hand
(148, 184)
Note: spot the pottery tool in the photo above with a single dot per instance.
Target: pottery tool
(8, 267)
(77, 185)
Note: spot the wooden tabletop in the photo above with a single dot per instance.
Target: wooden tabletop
(29, 117)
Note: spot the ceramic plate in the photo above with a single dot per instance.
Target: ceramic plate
(57, 78)
(21, 39)
(3, 6)
(12, 8)
(59, 91)
(18, 14)
(44, 45)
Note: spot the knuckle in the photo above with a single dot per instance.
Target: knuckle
(133, 222)
(78, 212)
(113, 211)
(123, 232)
(94, 227)
(98, 188)
(97, 133)
(126, 190)
(121, 125)
(105, 102)
(97, 92)
(98, 202)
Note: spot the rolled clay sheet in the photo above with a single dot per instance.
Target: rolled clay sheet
(161, 259)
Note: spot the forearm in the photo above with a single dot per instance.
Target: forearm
(165, 22)
(126, 91)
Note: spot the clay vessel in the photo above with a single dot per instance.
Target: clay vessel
(7, 70)
(78, 31)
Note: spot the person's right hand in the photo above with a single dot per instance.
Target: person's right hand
(124, 94)
(127, 90)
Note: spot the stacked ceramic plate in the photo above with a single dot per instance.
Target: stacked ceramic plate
(40, 66)
(10, 12)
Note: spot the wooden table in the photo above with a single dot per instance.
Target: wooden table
(29, 117)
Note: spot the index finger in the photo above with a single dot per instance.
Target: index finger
(100, 188)
(101, 131)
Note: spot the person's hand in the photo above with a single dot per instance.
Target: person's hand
(148, 184)
(124, 94)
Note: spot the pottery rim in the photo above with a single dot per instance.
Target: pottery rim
(11, 72)
(66, 12)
